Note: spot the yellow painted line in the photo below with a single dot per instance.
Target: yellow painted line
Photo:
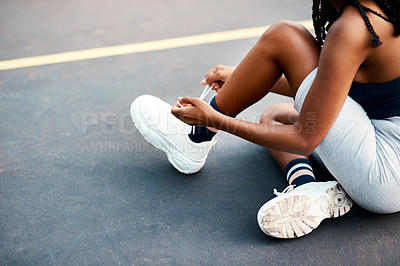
(134, 48)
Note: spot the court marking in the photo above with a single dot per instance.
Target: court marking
(140, 47)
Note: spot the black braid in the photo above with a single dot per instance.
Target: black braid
(376, 13)
(324, 14)
(375, 38)
(317, 22)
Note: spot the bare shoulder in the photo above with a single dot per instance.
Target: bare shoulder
(347, 47)
(349, 40)
(350, 30)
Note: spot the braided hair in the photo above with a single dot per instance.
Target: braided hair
(324, 14)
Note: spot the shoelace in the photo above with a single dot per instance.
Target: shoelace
(205, 92)
(288, 189)
(203, 95)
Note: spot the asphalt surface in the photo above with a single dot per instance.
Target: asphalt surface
(79, 185)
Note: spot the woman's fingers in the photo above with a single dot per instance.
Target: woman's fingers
(210, 76)
(188, 100)
(217, 76)
(191, 110)
(179, 106)
(217, 85)
(183, 113)
(212, 71)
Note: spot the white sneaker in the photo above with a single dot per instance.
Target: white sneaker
(153, 118)
(297, 211)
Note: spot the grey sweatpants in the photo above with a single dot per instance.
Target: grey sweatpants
(362, 154)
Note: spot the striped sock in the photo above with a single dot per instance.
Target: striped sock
(299, 172)
(202, 134)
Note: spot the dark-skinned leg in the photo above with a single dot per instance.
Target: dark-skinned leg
(285, 48)
(281, 113)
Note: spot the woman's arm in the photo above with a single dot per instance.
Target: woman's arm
(346, 47)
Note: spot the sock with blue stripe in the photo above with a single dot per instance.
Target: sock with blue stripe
(299, 172)
(202, 134)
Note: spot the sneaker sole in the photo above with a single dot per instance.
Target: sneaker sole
(298, 215)
(177, 158)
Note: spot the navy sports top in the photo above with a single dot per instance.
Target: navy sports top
(379, 100)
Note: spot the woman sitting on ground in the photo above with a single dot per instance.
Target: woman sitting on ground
(347, 80)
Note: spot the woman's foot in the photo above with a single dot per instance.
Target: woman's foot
(153, 119)
(297, 211)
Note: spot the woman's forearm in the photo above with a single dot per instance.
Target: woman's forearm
(288, 138)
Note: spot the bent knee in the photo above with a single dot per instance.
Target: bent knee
(284, 30)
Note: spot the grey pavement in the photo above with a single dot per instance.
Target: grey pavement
(80, 186)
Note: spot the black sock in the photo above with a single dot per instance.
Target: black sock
(202, 134)
(299, 172)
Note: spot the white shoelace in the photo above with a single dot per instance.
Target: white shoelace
(203, 95)
(288, 189)
(205, 92)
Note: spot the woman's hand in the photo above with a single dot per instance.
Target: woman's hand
(217, 76)
(194, 111)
